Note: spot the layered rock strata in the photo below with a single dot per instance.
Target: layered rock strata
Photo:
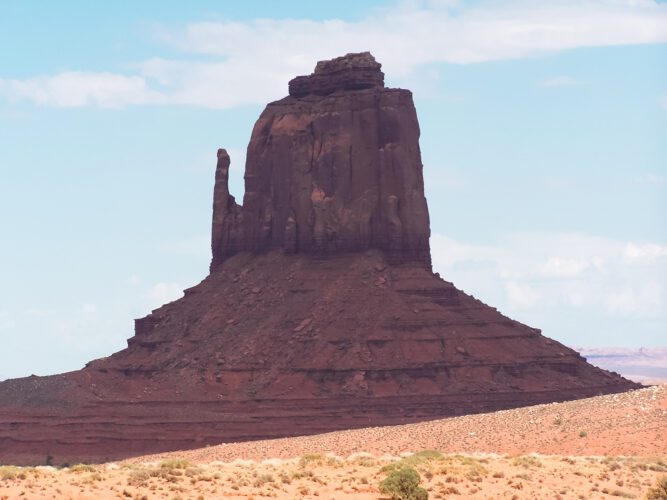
(321, 311)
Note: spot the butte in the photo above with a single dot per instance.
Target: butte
(320, 312)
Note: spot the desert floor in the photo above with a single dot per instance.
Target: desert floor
(603, 447)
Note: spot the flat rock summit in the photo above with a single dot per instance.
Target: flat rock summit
(320, 312)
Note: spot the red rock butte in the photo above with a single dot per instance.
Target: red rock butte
(320, 311)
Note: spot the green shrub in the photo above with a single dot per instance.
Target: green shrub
(403, 484)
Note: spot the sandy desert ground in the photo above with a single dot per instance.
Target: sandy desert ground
(603, 447)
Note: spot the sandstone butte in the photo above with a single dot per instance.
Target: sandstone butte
(320, 312)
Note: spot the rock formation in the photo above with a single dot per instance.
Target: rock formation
(329, 170)
(320, 312)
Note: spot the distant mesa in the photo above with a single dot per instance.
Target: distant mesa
(320, 312)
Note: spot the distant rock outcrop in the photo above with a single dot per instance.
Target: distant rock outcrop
(320, 312)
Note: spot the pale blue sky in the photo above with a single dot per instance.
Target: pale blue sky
(543, 142)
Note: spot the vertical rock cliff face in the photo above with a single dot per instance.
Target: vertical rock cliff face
(320, 312)
(334, 167)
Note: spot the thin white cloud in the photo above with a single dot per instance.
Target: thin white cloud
(258, 57)
(548, 271)
(559, 81)
(82, 88)
(646, 300)
(161, 293)
(88, 308)
(446, 252)
(521, 295)
(557, 266)
(408, 35)
(643, 253)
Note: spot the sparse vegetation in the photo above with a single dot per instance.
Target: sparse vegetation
(413, 460)
(622, 494)
(262, 479)
(362, 459)
(527, 461)
(10, 473)
(193, 471)
(422, 456)
(138, 478)
(417, 476)
(302, 474)
(175, 463)
(659, 491)
(334, 461)
(82, 468)
(310, 458)
(403, 484)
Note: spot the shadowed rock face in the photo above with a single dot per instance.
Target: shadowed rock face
(320, 312)
(335, 167)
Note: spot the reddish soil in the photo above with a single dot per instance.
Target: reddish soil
(628, 428)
